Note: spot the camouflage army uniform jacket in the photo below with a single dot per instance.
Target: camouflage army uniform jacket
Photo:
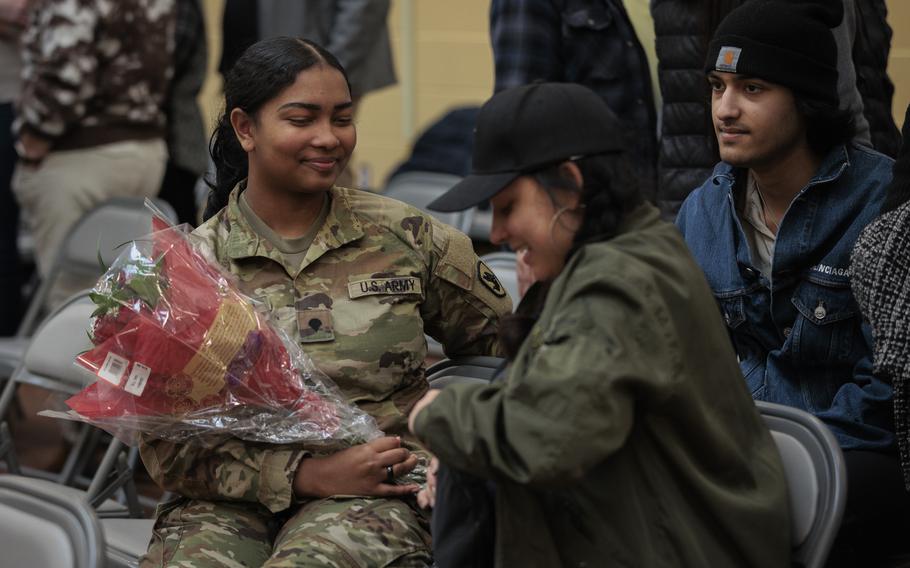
(378, 275)
(96, 71)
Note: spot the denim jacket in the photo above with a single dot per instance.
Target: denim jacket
(800, 337)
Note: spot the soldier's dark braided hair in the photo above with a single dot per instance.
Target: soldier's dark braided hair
(262, 71)
(610, 192)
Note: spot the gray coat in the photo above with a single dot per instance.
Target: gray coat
(354, 31)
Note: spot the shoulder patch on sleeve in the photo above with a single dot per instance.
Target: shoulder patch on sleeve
(488, 279)
(457, 262)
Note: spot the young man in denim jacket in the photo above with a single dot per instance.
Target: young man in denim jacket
(773, 229)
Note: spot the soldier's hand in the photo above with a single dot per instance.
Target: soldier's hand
(360, 470)
(427, 496)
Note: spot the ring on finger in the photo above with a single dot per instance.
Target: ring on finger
(389, 474)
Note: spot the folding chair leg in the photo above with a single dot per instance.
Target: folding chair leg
(125, 472)
(103, 488)
(78, 455)
(123, 480)
(9, 390)
(107, 465)
(8, 451)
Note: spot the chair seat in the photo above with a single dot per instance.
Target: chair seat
(54, 348)
(126, 540)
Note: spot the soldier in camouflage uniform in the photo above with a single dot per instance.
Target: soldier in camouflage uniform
(90, 124)
(359, 290)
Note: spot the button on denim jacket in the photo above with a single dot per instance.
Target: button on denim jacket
(800, 337)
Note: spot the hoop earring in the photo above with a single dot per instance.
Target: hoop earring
(556, 216)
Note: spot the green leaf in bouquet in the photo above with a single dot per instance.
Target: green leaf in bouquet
(146, 287)
(104, 267)
(104, 302)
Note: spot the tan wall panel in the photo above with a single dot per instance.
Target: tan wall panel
(453, 66)
(211, 97)
(899, 62)
(452, 15)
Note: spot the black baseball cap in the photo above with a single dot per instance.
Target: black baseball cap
(523, 129)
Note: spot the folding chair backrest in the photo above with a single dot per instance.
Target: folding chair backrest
(816, 480)
(57, 342)
(45, 524)
(477, 369)
(503, 265)
(420, 188)
(100, 232)
(104, 229)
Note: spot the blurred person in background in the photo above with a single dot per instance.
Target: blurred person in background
(445, 146)
(13, 15)
(90, 123)
(186, 140)
(589, 42)
(355, 31)
(773, 230)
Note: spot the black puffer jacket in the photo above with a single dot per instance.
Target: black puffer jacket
(870, 58)
(687, 151)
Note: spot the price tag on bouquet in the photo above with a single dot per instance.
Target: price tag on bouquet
(113, 368)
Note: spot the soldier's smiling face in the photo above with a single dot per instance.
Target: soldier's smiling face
(302, 139)
(539, 223)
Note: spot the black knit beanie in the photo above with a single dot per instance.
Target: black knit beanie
(784, 42)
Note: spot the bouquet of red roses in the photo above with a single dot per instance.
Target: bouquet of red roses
(180, 352)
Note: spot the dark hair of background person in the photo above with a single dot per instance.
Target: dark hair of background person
(899, 189)
(609, 192)
(826, 126)
(265, 69)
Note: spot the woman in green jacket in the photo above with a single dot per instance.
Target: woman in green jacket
(623, 433)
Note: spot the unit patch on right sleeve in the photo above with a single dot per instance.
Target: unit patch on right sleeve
(489, 280)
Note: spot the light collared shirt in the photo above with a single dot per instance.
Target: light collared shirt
(760, 237)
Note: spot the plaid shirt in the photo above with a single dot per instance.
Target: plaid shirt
(591, 42)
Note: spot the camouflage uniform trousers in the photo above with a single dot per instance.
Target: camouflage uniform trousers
(353, 532)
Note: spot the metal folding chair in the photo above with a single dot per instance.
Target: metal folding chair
(478, 368)
(48, 363)
(45, 524)
(816, 479)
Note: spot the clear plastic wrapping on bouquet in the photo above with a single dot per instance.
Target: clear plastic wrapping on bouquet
(179, 352)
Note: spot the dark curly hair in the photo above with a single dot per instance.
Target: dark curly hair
(265, 69)
(826, 126)
(610, 191)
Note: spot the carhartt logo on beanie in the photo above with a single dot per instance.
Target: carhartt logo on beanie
(728, 58)
(784, 42)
